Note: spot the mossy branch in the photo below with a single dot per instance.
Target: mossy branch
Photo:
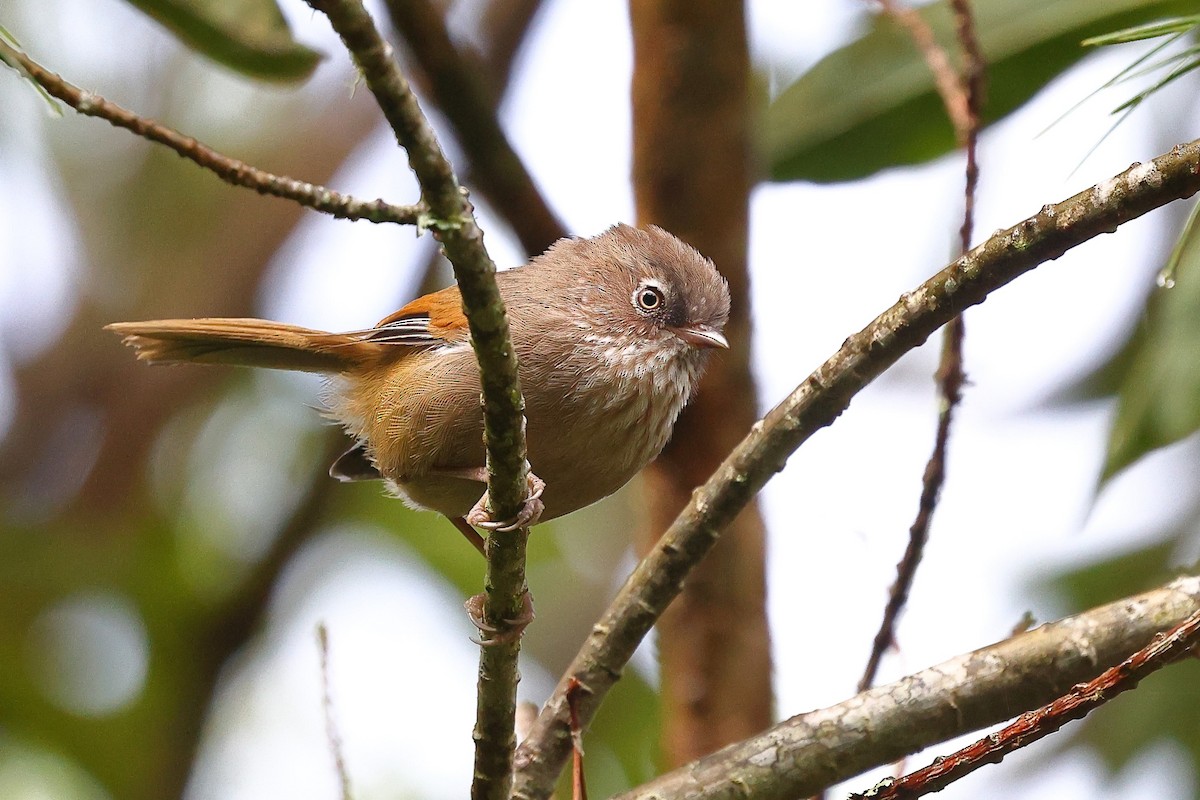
(452, 221)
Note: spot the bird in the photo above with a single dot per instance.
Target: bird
(611, 333)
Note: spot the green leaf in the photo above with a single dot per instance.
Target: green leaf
(249, 36)
(1159, 397)
(1152, 30)
(7, 42)
(872, 104)
(1121, 575)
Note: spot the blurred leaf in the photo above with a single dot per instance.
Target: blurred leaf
(8, 39)
(1157, 711)
(1125, 574)
(872, 104)
(1159, 397)
(627, 723)
(1105, 380)
(248, 36)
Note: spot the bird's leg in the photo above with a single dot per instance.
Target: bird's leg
(470, 534)
(481, 517)
(490, 634)
(529, 514)
(510, 629)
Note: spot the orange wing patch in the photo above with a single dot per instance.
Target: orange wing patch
(441, 312)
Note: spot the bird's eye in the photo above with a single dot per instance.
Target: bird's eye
(648, 298)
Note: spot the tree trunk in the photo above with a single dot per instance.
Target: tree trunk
(692, 170)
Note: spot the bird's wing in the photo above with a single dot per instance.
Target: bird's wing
(434, 319)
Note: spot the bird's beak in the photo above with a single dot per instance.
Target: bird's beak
(702, 336)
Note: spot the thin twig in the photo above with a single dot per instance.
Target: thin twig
(230, 170)
(1038, 724)
(962, 96)
(972, 691)
(453, 223)
(331, 730)
(946, 79)
(459, 83)
(815, 404)
(578, 783)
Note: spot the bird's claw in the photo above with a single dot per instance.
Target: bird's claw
(508, 631)
(530, 512)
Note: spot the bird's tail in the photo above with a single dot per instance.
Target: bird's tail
(246, 342)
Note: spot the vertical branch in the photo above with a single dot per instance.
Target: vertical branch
(962, 95)
(692, 175)
(453, 224)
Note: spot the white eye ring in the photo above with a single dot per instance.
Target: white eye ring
(648, 297)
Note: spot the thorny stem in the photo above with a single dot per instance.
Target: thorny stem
(971, 691)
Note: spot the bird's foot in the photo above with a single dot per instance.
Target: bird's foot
(508, 630)
(481, 517)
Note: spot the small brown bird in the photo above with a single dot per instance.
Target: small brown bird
(611, 334)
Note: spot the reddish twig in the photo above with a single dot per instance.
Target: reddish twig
(230, 170)
(962, 95)
(578, 785)
(1035, 725)
(947, 80)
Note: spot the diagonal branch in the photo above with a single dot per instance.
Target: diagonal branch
(1030, 727)
(453, 224)
(812, 751)
(230, 170)
(816, 403)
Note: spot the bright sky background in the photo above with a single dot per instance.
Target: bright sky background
(1019, 501)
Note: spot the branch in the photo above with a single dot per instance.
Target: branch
(1030, 727)
(815, 404)
(453, 224)
(946, 79)
(811, 751)
(458, 82)
(962, 95)
(230, 170)
(332, 736)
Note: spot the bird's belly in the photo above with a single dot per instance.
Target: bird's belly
(585, 440)
(585, 457)
(575, 460)
(450, 496)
